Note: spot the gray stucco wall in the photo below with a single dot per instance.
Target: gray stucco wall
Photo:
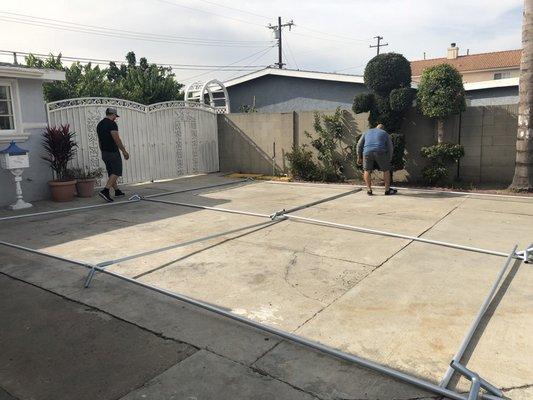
(286, 94)
(35, 178)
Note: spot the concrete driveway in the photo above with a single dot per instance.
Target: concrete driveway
(404, 304)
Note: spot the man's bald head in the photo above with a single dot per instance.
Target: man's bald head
(380, 126)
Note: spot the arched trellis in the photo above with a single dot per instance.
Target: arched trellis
(217, 92)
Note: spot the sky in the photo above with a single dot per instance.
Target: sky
(332, 36)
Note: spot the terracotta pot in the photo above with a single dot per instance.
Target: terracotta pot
(85, 187)
(62, 191)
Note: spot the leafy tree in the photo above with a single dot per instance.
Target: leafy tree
(523, 176)
(441, 94)
(143, 83)
(388, 76)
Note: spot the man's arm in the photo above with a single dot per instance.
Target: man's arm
(120, 145)
(360, 145)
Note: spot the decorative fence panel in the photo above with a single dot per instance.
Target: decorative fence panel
(165, 140)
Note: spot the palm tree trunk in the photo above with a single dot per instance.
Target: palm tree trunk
(523, 176)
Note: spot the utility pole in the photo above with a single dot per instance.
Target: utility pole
(379, 38)
(277, 34)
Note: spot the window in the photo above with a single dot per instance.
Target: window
(7, 121)
(502, 75)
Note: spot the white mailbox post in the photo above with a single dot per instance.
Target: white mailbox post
(15, 159)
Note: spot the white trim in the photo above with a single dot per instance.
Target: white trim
(324, 76)
(494, 83)
(475, 71)
(9, 71)
(17, 133)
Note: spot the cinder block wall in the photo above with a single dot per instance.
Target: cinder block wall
(488, 134)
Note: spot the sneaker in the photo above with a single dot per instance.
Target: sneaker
(391, 191)
(369, 192)
(119, 193)
(104, 194)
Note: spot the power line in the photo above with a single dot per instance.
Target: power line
(156, 35)
(292, 54)
(108, 32)
(233, 63)
(236, 9)
(208, 12)
(199, 67)
(333, 34)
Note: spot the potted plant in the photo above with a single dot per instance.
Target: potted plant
(85, 180)
(60, 148)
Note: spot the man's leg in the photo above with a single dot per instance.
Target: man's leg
(386, 179)
(111, 182)
(368, 180)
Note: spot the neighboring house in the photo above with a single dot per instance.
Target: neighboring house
(22, 119)
(475, 67)
(492, 93)
(272, 90)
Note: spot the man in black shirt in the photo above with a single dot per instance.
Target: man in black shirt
(110, 144)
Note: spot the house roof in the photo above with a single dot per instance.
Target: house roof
(472, 62)
(324, 76)
(21, 71)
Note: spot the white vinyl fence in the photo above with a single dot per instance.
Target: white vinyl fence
(165, 140)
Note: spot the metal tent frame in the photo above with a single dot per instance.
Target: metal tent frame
(490, 392)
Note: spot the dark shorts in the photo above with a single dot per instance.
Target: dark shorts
(113, 163)
(381, 158)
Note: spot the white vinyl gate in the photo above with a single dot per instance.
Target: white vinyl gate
(165, 140)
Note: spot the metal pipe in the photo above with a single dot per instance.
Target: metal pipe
(183, 244)
(114, 203)
(197, 188)
(226, 210)
(407, 188)
(470, 375)
(481, 313)
(474, 389)
(45, 254)
(66, 210)
(395, 235)
(314, 203)
(425, 385)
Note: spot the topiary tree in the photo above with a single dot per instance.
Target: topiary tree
(388, 76)
(441, 94)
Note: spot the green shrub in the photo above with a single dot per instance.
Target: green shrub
(386, 72)
(440, 156)
(331, 154)
(301, 163)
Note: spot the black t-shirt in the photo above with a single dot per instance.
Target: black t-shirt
(105, 140)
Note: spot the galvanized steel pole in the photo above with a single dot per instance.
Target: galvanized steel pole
(481, 313)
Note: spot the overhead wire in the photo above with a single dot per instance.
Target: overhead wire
(101, 61)
(233, 63)
(118, 33)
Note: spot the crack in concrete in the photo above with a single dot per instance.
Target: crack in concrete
(377, 267)
(265, 373)
(290, 264)
(508, 389)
